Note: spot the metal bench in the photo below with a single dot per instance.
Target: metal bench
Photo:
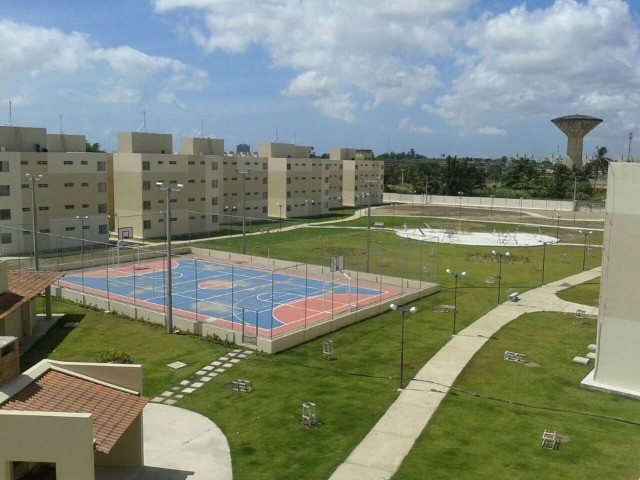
(512, 295)
(550, 440)
(515, 357)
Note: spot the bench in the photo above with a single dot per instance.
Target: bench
(512, 295)
(579, 317)
(265, 229)
(550, 440)
(489, 280)
(242, 386)
(515, 357)
(447, 308)
(378, 224)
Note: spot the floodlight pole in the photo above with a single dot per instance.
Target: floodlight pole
(584, 250)
(460, 194)
(393, 218)
(403, 313)
(500, 256)
(491, 209)
(544, 257)
(455, 295)
(309, 203)
(168, 190)
(371, 182)
(82, 219)
(34, 219)
(558, 228)
(341, 200)
(244, 174)
(279, 216)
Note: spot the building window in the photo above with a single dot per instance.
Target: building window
(102, 187)
(214, 201)
(214, 165)
(146, 165)
(191, 180)
(4, 166)
(43, 208)
(5, 238)
(102, 208)
(25, 185)
(24, 162)
(214, 218)
(84, 162)
(146, 224)
(5, 190)
(67, 162)
(103, 229)
(69, 229)
(42, 162)
(214, 183)
(191, 162)
(68, 184)
(85, 205)
(172, 162)
(146, 205)
(26, 209)
(69, 207)
(146, 185)
(85, 184)
(43, 185)
(102, 166)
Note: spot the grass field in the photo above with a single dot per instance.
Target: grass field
(352, 392)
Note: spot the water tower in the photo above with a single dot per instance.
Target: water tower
(575, 127)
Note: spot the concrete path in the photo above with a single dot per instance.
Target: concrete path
(384, 448)
(178, 445)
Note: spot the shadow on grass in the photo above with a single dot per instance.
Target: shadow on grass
(49, 342)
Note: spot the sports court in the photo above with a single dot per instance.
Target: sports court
(233, 296)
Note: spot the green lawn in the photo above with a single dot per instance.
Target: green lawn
(491, 425)
(587, 293)
(352, 392)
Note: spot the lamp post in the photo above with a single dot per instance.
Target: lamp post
(403, 313)
(279, 215)
(460, 194)
(34, 219)
(309, 203)
(393, 218)
(341, 200)
(500, 256)
(544, 257)
(82, 219)
(492, 199)
(371, 182)
(168, 189)
(229, 209)
(557, 228)
(575, 192)
(521, 209)
(455, 295)
(584, 250)
(244, 174)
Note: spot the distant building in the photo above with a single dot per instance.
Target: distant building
(243, 148)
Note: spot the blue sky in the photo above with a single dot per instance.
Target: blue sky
(461, 77)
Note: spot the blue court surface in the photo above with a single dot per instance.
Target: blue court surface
(229, 294)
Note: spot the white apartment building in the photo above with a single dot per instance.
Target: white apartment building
(71, 193)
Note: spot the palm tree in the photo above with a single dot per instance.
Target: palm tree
(599, 163)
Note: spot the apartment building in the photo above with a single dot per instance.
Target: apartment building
(363, 176)
(71, 194)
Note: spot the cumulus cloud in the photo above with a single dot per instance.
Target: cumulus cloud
(48, 57)
(406, 125)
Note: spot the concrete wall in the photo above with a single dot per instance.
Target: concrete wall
(136, 142)
(62, 438)
(201, 146)
(618, 363)
(485, 202)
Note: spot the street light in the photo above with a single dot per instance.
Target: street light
(371, 182)
(403, 312)
(584, 250)
(82, 219)
(34, 222)
(500, 256)
(243, 174)
(309, 203)
(393, 218)
(280, 215)
(455, 295)
(229, 209)
(460, 194)
(168, 189)
(544, 257)
(521, 209)
(341, 200)
(558, 228)
(492, 199)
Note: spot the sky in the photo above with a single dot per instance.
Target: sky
(479, 78)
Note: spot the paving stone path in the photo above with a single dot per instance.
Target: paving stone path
(201, 377)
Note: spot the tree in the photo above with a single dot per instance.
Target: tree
(93, 147)
(599, 163)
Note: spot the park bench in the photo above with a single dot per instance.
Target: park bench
(489, 280)
(579, 317)
(512, 295)
(550, 440)
(447, 308)
(378, 224)
(515, 357)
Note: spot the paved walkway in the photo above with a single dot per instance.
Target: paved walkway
(384, 448)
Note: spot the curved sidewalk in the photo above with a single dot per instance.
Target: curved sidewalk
(384, 448)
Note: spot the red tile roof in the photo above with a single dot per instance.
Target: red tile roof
(23, 286)
(113, 410)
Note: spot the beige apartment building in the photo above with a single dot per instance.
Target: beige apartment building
(363, 176)
(71, 194)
